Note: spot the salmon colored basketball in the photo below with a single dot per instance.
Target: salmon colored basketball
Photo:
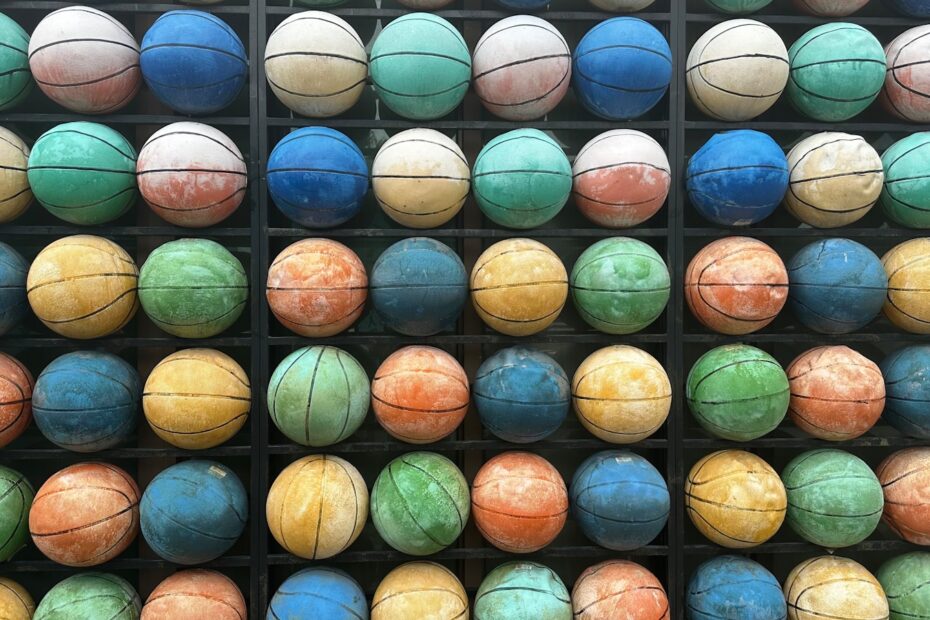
(16, 385)
(317, 287)
(195, 594)
(905, 478)
(420, 394)
(519, 502)
(618, 589)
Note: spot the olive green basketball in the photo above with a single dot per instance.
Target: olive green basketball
(906, 582)
(83, 173)
(16, 496)
(737, 392)
(193, 288)
(905, 195)
(90, 596)
(15, 78)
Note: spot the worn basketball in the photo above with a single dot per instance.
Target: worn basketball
(905, 478)
(735, 499)
(195, 594)
(733, 586)
(907, 390)
(85, 60)
(83, 287)
(319, 592)
(911, 8)
(518, 287)
(318, 395)
(316, 64)
(421, 590)
(512, 489)
(317, 506)
(830, 8)
(619, 588)
(15, 193)
(905, 198)
(197, 398)
(16, 496)
(906, 93)
(621, 394)
(85, 515)
(16, 385)
(836, 393)
(829, 586)
(737, 6)
(905, 579)
(522, 591)
(14, 304)
(907, 304)
(90, 595)
(15, 601)
(15, 79)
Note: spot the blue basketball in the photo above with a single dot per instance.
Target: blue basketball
(731, 586)
(907, 390)
(87, 401)
(418, 287)
(737, 178)
(13, 303)
(193, 62)
(619, 500)
(522, 395)
(621, 68)
(317, 177)
(836, 286)
(193, 512)
(319, 592)
(913, 8)
(523, 5)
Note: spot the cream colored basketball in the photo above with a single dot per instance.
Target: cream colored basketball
(420, 591)
(829, 586)
(737, 70)
(15, 194)
(420, 178)
(316, 64)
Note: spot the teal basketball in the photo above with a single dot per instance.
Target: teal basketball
(738, 7)
(15, 78)
(193, 288)
(522, 591)
(905, 196)
(906, 582)
(837, 71)
(16, 495)
(620, 285)
(90, 596)
(522, 179)
(420, 66)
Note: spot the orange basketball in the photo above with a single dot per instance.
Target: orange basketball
(905, 478)
(619, 589)
(519, 501)
(195, 594)
(420, 394)
(16, 385)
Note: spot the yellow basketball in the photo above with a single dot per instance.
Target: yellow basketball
(621, 394)
(519, 287)
(735, 499)
(833, 587)
(907, 304)
(317, 506)
(15, 194)
(15, 601)
(421, 590)
(197, 398)
(83, 287)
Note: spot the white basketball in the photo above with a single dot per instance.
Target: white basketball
(420, 178)
(830, 8)
(907, 83)
(621, 6)
(521, 68)
(737, 70)
(316, 64)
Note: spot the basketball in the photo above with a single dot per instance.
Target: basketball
(904, 579)
(419, 503)
(911, 8)
(195, 594)
(83, 287)
(620, 285)
(836, 286)
(83, 173)
(905, 198)
(617, 587)
(15, 193)
(15, 601)
(15, 79)
(87, 401)
(316, 64)
(518, 287)
(735, 499)
(733, 586)
(522, 67)
(193, 512)
(512, 489)
(836, 393)
(907, 390)
(420, 394)
(193, 288)
(621, 394)
(620, 178)
(425, 5)
(317, 287)
(420, 178)
(420, 66)
(196, 399)
(738, 6)
(523, 5)
(522, 179)
(522, 591)
(85, 514)
(833, 587)
(837, 71)
(419, 287)
(621, 6)
(16, 497)
(90, 595)
(737, 70)
(836, 178)
(422, 590)
(908, 267)
(319, 592)
(830, 8)
(85, 60)
(619, 500)
(737, 392)
(317, 506)
(16, 387)
(318, 396)
(904, 476)
(522, 395)
(317, 177)
(907, 83)
(834, 499)
(13, 302)
(737, 178)
(621, 82)
(193, 62)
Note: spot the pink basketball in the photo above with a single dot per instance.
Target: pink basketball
(907, 82)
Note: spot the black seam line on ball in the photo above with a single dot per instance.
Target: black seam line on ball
(420, 95)
(321, 324)
(624, 46)
(102, 308)
(733, 317)
(516, 516)
(215, 203)
(821, 146)
(736, 400)
(195, 395)
(861, 401)
(347, 414)
(899, 179)
(730, 284)
(535, 403)
(551, 205)
(844, 174)
(396, 594)
(14, 168)
(196, 47)
(409, 511)
(827, 479)
(82, 40)
(601, 517)
(404, 287)
(905, 154)
(310, 132)
(811, 93)
(58, 132)
(180, 287)
(837, 286)
(520, 589)
(908, 263)
(562, 79)
(622, 164)
(236, 76)
(12, 71)
(232, 420)
(833, 515)
(313, 18)
(620, 88)
(838, 60)
(522, 61)
(725, 90)
(619, 290)
(730, 365)
(210, 170)
(732, 168)
(910, 316)
(316, 96)
(616, 204)
(102, 78)
(692, 511)
(490, 147)
(317, 289)
(643, 432)
(320, 54)
(416, 176)
(440, 485)
(909, 89)
(78, 528)
(814, 207)
(429, 54)
(906, 474)
(456, 205)
(225, 147)
(519, 285)
(205, 321)
(737, 57)
(448, 410)
(83, 169)
(639, 399)
(709, 502)
(425, 141)
(548, 29)
(14, 145)
(14, 48)
(444, 25)
(509, 320)
(323, 170)
(51, 205)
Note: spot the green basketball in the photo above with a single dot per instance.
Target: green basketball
(738, 7)
(318, 395)
(737, 392)
(834, 499)
(620, 285)
(420, 66)
(837, 71)
(906, 581)
(193, 288)
(905, 196)
(90, 596)
(15, 78)
(420, 503)
(83, 173)
(16, 496)
(529, 591)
